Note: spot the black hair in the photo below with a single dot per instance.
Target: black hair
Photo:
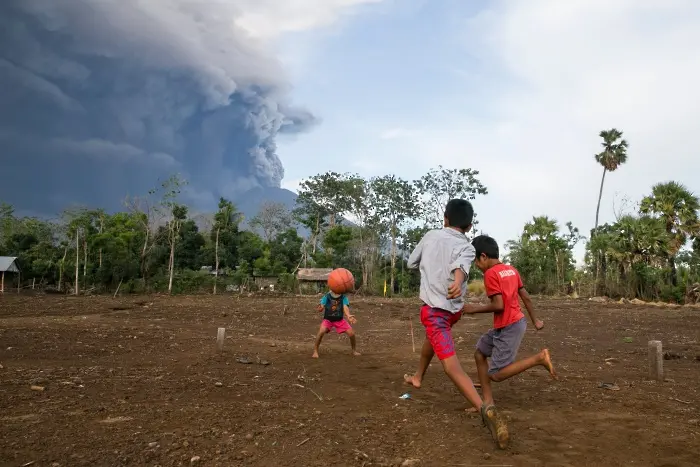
(483, 244)
(459, 213)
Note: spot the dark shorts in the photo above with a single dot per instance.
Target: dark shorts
(502, 344)
(438, 329)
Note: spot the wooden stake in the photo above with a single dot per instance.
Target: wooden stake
(120, 284)
(33, 281)
(413, 341)
(2, 283)
(220, 336)
(656, 361)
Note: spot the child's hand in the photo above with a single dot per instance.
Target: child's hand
(468, 309)
(454, 290)
(320, 308)
(351, 319)
(539, 324)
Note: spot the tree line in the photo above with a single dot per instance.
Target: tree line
(366, 225)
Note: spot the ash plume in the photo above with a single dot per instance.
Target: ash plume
(101, 98)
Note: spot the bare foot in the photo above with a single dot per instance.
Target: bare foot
(412, 381)
(547, 362)
(315, 355)
(356, 353)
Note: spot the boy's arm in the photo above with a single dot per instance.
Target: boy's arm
(530, 308)
(415, 256)
(495, 306)
(350, 317)
(460, 266)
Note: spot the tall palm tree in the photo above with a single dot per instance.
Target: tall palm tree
(678, 208)
(613, 156)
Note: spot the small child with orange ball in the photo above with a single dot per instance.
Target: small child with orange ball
(335, 307)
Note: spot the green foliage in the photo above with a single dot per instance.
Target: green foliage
(367, 226)
(440, 185)
(543, 255)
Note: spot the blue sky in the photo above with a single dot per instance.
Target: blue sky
(516, 90)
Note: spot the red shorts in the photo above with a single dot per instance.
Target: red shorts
(438, 329)
(340, 327)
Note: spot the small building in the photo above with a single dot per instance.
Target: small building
(8, 264)
(313, 280)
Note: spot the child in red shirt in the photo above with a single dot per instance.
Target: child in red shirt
(503, 287)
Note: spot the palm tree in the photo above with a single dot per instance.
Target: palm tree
(677, 207)
(613, 156)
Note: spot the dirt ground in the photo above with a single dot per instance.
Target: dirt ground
(137, 381)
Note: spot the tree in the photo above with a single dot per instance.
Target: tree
(543, 255)
(226, 219)
(272, 219)
(677, 208)
(179, 214)
(149, 210)
(440, 185)
(614, 154)
(285, 250)
(396, 201)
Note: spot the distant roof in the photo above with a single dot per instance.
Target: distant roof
(313, 274)
(8, 264)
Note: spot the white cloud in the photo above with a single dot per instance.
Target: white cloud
(552, 74)
(267, 19)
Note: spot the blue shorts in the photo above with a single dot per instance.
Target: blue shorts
(502, 344)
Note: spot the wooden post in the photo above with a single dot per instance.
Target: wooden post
(33, 281)
(19, 281)
(220, 336)
(2, 283)
(656, 361)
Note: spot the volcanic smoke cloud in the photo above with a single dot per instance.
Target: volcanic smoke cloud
(102, 98)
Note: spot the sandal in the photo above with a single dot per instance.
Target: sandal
(495, 424)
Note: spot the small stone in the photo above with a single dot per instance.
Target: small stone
(249, 436)
(1, 367)
(55, 464)
(152, 445)
(271, 345)
(410, 462)
(487, 456)
(218, 384)
(36, 388)
(195, 459)
(185, 443)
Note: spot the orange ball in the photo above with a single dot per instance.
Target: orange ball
(341, 281)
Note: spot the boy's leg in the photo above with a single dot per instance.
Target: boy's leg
(351, 335)
(506, 342)
(321, 332)
(456, 373)
(426, 352)
(426, 355)
(482, 366)
(484, 349)
(541, 359)
(440, 334)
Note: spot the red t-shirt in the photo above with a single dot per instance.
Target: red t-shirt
(504, 280)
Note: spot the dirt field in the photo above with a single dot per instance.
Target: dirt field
(137, 381)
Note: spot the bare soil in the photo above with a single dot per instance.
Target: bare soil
(137, 381)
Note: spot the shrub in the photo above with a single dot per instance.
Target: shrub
(476, 287)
